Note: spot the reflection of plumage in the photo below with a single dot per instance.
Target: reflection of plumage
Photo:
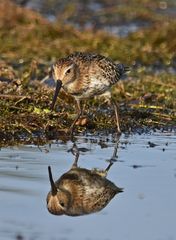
(80, 191)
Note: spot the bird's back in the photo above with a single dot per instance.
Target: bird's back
(97, 73)
(90, 192)
(105, 65)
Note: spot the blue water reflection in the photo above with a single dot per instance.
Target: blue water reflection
(146, 209)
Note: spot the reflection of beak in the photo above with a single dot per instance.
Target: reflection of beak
(58, 87)
(53, 186)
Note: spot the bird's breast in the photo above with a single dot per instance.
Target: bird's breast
(87, 88)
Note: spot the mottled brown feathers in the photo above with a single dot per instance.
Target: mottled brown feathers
(94, 74)
(85, 75)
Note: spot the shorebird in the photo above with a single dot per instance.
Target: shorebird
(86, 75)
(80, 191)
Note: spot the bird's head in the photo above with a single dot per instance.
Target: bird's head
(58, 200)
(64, 71)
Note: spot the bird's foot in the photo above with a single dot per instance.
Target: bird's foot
(100, 172)
(82, 121)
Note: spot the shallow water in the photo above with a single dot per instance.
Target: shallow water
(145, 210)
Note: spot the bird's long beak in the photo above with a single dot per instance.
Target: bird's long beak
(58, 87)
(53, 186)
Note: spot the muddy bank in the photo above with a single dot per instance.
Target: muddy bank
(30, 44)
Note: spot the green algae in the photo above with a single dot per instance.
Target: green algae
(25, 34)
(29, 45)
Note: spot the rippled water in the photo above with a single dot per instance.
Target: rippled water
(145, 210)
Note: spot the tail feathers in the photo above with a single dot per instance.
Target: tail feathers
(122, 69)
(119, 190)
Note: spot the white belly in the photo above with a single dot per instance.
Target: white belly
(95, 87)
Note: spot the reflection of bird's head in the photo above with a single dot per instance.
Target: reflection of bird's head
(58, 201)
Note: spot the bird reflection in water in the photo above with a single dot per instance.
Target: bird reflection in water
(81, 191)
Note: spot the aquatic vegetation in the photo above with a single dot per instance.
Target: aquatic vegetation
(30, 44)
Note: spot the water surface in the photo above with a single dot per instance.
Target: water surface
(145, 168)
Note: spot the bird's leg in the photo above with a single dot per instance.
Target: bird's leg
(116, 147)
(103, 173)
(75, 164)
(114, 156)
(75, 152)
(108, 167)
(79, 113)
(115, 105)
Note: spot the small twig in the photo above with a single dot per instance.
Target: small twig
(145, 106)
(14, 96)
(24, 127)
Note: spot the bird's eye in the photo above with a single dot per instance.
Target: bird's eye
(62, 203)
(68, 71)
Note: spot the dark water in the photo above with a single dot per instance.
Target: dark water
(145, 210)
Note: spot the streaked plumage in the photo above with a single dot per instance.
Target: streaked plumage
(85, 75)
(80, 191)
